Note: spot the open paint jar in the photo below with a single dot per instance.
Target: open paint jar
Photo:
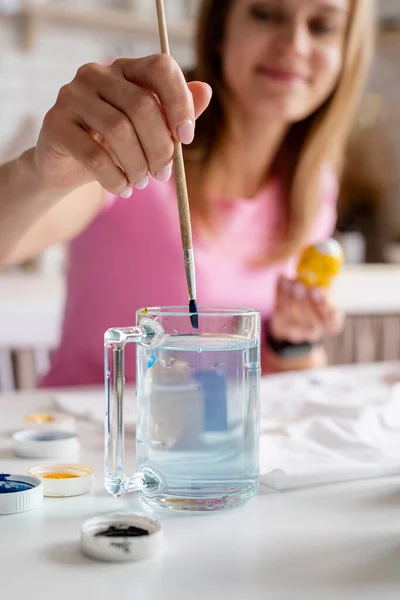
(19, 493)
(49, 443)
(121, 538)
(65, 480)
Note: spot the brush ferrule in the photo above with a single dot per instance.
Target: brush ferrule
(188, 257)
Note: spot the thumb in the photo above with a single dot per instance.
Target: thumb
(202, 94)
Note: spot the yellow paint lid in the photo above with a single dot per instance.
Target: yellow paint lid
(64, 480)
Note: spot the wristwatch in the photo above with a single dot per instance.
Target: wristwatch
(286, 349)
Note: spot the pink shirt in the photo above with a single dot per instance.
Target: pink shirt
(131, 257)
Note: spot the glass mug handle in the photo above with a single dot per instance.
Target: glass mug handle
(117, 482)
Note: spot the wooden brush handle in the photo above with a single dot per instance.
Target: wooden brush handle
(179, 165)
(183, 198)
(162, 27)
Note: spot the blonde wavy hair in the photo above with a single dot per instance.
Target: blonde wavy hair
(309, 144)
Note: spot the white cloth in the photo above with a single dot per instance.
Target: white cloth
(332, 425)
(317, 427)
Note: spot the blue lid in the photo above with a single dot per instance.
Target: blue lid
(19, 493)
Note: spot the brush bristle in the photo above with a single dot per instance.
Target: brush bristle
(194, 317)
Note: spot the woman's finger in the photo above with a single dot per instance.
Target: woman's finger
(293, 319)
(163, 76)
(127, 116)
(308, 324)
(95, 160)
(118, 135)
(335, 322)
(142, 110)
(201, 94)
(332, 319)
(282, 288)
(279, 320)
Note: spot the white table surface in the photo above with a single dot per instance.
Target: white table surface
(334, 542)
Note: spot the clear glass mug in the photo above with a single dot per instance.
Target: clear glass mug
(197, 426)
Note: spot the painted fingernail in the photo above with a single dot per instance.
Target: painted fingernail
(164, 174)
(316, 295)
(126, 192)
(299, 290)
(210, 90)
(141, 184)
(186, 132)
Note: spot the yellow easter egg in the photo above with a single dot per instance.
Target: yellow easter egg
(320, 263)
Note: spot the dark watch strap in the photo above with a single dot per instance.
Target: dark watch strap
(285, 349)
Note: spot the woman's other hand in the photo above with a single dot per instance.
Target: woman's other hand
(303, 314)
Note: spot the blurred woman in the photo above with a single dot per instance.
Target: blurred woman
(262, 175)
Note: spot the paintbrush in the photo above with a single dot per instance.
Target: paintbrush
(181, 191)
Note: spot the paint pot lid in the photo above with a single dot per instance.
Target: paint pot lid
(65, 480)
(121, 537)
(19, 493)
(46, 443)
(51, 420)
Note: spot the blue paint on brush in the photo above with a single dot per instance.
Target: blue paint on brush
(194, 316)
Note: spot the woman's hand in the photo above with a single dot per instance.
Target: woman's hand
(116, 124)
(303, 314)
